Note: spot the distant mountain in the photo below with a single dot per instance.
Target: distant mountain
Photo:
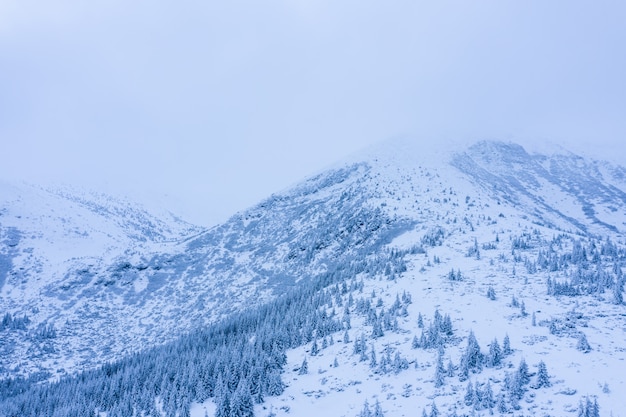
(418, 260)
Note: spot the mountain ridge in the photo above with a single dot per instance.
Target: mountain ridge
(434, 221)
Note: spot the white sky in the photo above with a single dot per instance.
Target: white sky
(213, 105)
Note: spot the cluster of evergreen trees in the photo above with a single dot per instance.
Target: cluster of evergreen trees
(237, 362)
(9, 322)
(367, 411)
(587, 267)
(591, 267)
(587, 408)
(438, 333)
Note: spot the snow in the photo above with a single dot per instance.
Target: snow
(184, 276)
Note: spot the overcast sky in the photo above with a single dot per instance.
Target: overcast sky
(214, 105)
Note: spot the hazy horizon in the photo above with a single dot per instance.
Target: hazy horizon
(212, 107)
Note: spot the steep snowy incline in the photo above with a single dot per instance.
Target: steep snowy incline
(99, 308)
(512, 249)
(564, 190)
(54, 245)
(542, 231)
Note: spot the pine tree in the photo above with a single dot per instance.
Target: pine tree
(595, 408)
(463, 368)
(618, 298)
(477, 400)
(543, 379)
(522, 371)
(415, 343)
(450, 368)
(472, 355)
(488, 400)
(304, 368)
(241, 404)
(582, 411)
(273, 383)
(399, 363)
(373, 362)
(378, 411)
(515, 388)
(501, 404)
(314, 349)
(552, 328)
(434, 412)
(583, 344)
(439, 371)
(469, 394)
(222, 398)
(446, 325)
(506, 346)
(366, 412)
(491, 293)
(494, 358)
(377, 329)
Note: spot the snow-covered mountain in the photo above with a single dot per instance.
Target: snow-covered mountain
(479, 243)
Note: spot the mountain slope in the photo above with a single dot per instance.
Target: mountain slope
(156, 291)
(512, 224)
(504, 241)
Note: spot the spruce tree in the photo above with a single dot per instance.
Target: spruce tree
(378, 411)
(469, 394)
(415, 343)
(543, 379)
(488, 400)
(501, 404)
(439, 371)
(304, 368)
(366, 412)
(477, 399)
(241, 404)
(222, 398)
(494, 358)
(450, 369)
(314, 348)
(472, 355)
(373, 362)
(522, 371)
(595, 408)
(583, 344)
(434, 412)
(506, 346)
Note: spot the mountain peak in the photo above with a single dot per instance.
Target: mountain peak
(404, 258)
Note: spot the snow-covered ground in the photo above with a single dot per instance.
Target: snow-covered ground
(490, 211)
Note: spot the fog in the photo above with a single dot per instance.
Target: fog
(209, 107)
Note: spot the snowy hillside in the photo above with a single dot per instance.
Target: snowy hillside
(524, 247)
(142, 291)
(466, 281)
(58, 246)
